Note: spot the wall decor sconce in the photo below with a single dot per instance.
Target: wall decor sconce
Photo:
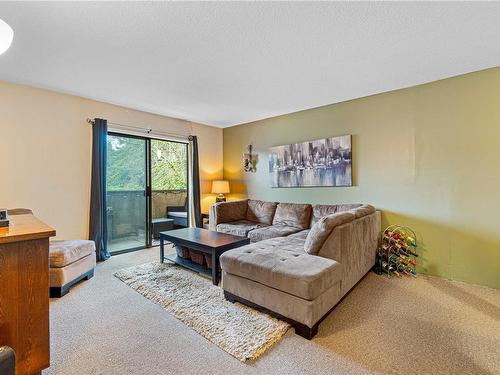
(249, 161)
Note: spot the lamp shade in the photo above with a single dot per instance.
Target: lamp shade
(6, 36)
(220, 187)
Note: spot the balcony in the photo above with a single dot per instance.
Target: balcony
(126, 215)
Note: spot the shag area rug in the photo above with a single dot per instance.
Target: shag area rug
(239, 330)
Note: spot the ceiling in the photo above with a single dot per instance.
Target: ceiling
(229, 63)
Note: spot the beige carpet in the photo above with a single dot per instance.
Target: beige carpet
(426, 325)
(405, 326)
(239, 330)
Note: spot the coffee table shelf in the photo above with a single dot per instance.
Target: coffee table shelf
(199, 239)
(186, 263)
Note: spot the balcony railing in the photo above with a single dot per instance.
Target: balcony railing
(127, 210)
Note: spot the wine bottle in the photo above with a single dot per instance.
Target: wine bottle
(395, 258)
(387, 267)
(412, 253)
(401, 251)
(410, 241)
(406, 248)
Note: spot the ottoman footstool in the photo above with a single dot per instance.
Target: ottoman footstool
(70, 262)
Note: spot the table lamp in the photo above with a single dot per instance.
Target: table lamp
(220, 187)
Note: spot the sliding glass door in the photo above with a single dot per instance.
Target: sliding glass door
(169, 184)
(147, 192)
(127, 193)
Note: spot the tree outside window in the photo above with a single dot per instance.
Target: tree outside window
(126, 164)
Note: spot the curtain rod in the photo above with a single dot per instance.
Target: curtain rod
(146, 130)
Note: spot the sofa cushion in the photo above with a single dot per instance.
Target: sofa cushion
(363, 210)
(322, 229)
(320, 210)
(271, 232)
(261, 211)
(302, 234)
(238, 228)
(64, 252)
(232, 211)
(281, 263)
(293, 215)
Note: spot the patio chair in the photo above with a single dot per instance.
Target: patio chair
(179, 214)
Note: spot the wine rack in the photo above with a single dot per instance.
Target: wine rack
(397, 255)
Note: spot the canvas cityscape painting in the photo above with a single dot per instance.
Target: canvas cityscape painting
(321, 162)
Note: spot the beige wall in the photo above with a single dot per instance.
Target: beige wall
(45, 148)
(427, 156)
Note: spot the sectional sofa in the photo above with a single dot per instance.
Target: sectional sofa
(302, 258)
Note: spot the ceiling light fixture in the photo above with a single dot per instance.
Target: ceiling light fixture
(6, 36)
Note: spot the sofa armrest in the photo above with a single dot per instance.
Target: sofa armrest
(225, 212)
(354, 245)
(212, 218)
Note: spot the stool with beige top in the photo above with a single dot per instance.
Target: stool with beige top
(70, 261)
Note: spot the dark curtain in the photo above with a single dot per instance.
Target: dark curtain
(195, 175)
(98, 217)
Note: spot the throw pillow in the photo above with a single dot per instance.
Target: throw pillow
(364, 210)
(293, 215)
(321, 230)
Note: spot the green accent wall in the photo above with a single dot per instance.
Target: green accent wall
(428, 157)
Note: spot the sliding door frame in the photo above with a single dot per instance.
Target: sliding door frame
(149, 191)
(186, 144)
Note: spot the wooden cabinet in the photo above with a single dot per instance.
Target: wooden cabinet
(24, 292)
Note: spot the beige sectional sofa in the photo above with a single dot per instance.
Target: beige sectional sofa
(302, 258)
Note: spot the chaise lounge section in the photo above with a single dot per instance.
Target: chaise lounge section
(301, 262)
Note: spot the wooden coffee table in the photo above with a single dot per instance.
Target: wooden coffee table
(210, 242)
